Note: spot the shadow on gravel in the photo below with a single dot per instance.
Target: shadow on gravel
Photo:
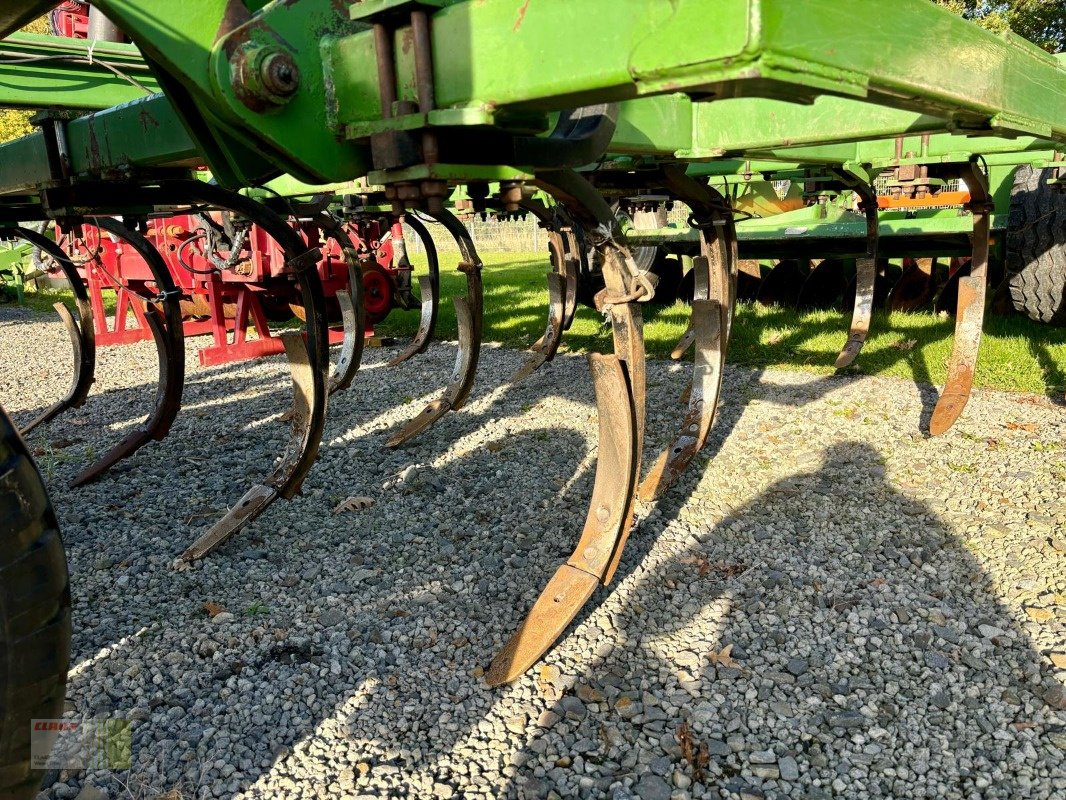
(849, 647)
(349, 661)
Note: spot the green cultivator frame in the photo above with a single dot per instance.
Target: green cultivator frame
(583, 102)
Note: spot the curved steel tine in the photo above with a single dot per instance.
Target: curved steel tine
(82, 335)
(167, 331)
(573, 257)
(351, 348)
(575, 581)
(555, 249)
(428, 290)
(700, 291)
(447, 401)
(715, 279)
(353, 311)
(708, 321)
(426, 322)
(620, 384)
(553, 335)
(149, 429)
(969, 318)
(865, 280)
(280, 483)
(469, 314)
(308, 354)
(547, 218)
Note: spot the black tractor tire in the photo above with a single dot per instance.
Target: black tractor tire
(34, 613)
(1036, 247)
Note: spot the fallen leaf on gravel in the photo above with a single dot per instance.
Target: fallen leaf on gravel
(693, 751)
(729, 570)
(906, 345)
(703, 566)
(494, 447)
(1023, 726)
(722, 658)
(353, 504)
(1030, 400)
(213, 609)
(1021, 426)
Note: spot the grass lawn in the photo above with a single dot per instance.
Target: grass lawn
(1016, 354)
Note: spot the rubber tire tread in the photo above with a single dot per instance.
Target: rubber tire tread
(34, 613)
(1036, 247)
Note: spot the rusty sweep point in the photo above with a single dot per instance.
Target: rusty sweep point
(948, 409)
(558, 604)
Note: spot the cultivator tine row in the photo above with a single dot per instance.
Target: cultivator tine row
(428, 291)
(970, 315)
(620, 384)
(166, 330)
(353, 310)
(865, 279)
(308, 360)
(82, 335)
(469, 314)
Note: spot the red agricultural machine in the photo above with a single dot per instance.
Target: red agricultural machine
(231, 274)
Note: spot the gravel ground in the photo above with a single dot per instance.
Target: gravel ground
(835, 607)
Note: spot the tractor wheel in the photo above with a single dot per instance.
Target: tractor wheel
(1036, 247)
(34, 613)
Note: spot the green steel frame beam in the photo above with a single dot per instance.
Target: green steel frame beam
(499, 56)
(38, 71)
(142, 135)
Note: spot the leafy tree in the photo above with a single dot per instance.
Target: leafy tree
(1040, 21)
(16, 123)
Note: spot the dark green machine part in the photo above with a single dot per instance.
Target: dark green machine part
(420, 96)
